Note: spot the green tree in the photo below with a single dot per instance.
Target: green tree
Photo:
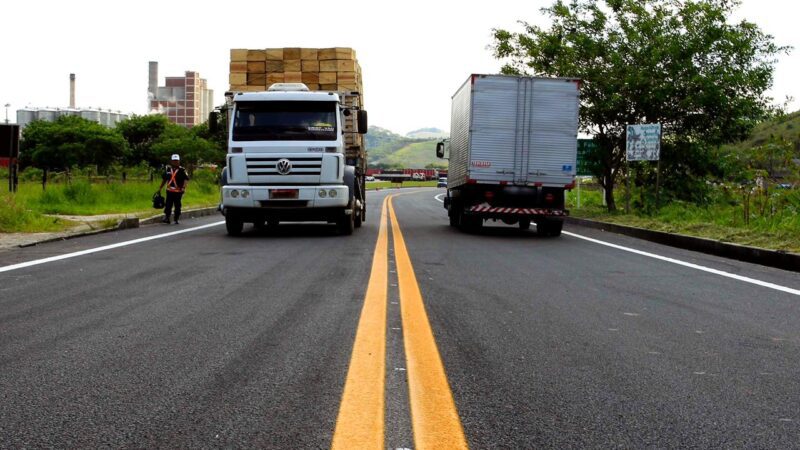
(141, 134)
(194, 150)
(680, 63)
(70, 141)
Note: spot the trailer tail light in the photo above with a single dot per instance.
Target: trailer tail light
(549, 198)
(539, 184)
(570, 186)
(471, 181)
(489, 195)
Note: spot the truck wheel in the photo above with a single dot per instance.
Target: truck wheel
(358, 219)
(453, 219)
(346, 224)
(524, 224)
(549, 227)
(233, 224)
(555, 227)
(471, 224)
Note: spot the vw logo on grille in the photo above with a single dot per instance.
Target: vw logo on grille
(284, 166)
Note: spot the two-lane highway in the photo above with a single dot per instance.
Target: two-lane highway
(405, 334)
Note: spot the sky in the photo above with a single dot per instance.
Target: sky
(414, 54)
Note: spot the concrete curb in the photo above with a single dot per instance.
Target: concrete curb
(187, 214)
(127, 223)
(772, 258)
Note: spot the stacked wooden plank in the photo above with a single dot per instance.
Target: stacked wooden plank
(325, 69)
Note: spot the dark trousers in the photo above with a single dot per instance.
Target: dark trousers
(173, 199)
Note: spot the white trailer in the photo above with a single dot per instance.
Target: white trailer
(512, 151)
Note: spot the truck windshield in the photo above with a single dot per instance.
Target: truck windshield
(285, 121)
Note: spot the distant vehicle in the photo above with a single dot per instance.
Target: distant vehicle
(512, 151)
(369, 178)
(418, 176)
(442, 183)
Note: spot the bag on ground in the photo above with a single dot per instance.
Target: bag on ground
(158, 201)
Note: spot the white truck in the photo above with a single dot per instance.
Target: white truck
(288, 160)
(512, 151)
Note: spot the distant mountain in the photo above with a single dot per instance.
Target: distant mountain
(428, 133)
(390, 150)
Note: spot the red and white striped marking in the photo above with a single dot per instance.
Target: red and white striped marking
(484, 208)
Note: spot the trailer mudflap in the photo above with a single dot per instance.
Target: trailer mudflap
(499, 211)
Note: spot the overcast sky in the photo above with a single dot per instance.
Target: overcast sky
(414, 54)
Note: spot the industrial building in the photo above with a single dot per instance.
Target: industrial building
(184, 100)
(103, 116)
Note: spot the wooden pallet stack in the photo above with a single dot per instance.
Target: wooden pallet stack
(324, 69)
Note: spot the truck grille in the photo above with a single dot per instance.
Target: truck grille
(267, 165)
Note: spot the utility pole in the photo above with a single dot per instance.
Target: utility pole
(8, 105)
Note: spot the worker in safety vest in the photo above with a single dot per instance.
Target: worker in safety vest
(176, 179)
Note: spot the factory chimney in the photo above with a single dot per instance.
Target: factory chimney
(152, 85)
(72, 90)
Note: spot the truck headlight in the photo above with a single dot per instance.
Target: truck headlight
(234, 193)
(323, 193)
(245, 193)
(332, 193)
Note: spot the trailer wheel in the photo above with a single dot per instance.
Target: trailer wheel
(233, 224)
(524, 224)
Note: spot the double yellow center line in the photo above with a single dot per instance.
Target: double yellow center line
(434, 418)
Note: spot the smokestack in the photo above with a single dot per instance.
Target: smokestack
(152, 85)
(72, 90)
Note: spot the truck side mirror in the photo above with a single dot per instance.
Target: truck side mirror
(213, 121)
(363, 126)
(440, 150)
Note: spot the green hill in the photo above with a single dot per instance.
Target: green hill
(391, 150)
(786, 127)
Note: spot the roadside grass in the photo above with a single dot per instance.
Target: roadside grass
(722, 220)
(14, 218)
(85, 199)
(389, 184)
(27, 210)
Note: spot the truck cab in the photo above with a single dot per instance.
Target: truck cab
(287, 159)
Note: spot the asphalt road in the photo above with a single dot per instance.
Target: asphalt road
(201, 340)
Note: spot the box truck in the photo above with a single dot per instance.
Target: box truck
(512, 151)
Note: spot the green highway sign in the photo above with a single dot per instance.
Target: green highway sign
(585, 146)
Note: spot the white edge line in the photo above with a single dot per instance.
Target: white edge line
(765, 284)
(103, 248)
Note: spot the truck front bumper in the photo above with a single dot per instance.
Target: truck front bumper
(262, 197)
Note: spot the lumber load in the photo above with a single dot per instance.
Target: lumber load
(324, 69)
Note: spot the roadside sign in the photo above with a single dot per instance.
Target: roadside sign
(643, 142)
(585, 147)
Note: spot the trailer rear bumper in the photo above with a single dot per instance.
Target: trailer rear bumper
(493, 212)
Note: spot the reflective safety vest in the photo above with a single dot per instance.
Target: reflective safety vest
(172, 184)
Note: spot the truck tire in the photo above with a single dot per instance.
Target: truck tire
(549, 227)
(233, 224)
(357, 220)
(471, 224)
(346, 224)
(524, 224)
(453, 219)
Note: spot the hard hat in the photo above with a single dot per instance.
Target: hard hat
(176, 157)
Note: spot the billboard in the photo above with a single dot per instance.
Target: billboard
(9, 140)
(643, 142)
